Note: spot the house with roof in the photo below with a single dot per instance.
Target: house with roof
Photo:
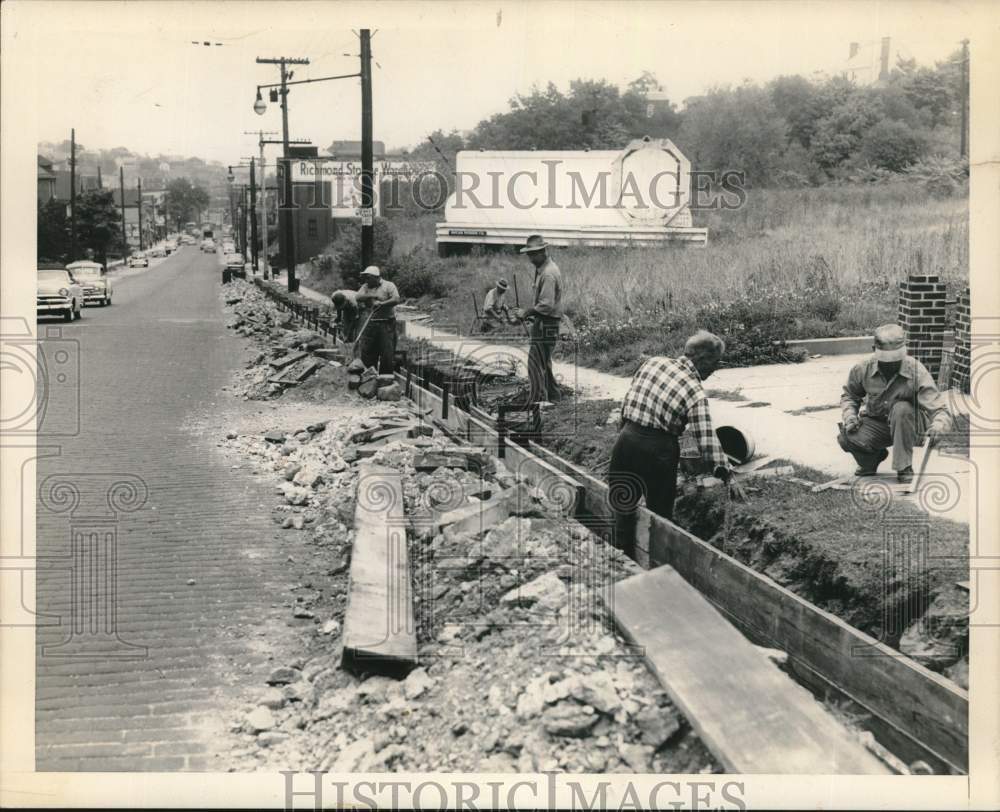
(46, 180)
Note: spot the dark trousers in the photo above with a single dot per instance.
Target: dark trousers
(541, 381)
(901, 432)
(643, 463)
(378, 345)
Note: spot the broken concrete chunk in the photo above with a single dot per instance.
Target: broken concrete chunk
(283, 675)
(259, 719)
(569, 719)
(275, 437)
(416, 682)
(393, 392)
(273, 699)
(545, 592)
(658, 725)
(308, 476)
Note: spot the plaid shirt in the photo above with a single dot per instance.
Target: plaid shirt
(666, 394)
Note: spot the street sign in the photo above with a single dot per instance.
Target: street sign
(367, 216)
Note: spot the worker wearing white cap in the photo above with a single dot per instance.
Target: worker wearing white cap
(378, 339)
(888, 399)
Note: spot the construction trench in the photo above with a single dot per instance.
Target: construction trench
(473, 617)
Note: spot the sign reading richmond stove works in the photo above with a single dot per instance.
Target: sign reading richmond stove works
(341, 180)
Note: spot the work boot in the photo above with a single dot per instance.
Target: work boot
(863, 471)
(906, 475)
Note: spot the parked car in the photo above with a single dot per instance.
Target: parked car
(187, 239)
(228, 247)
(208, 246)
(92, 277)
(157, 251)
(58, 292)
(138, 260)
(235, 264)
(170, 246)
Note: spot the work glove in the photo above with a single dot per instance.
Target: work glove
(852, 424)
(934, 436)
(723, 472)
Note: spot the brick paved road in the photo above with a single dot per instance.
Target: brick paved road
(152, 367)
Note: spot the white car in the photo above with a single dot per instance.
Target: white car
(94, 281)
(208, 246)
(57, 292)
(169, 246)
(138, 260)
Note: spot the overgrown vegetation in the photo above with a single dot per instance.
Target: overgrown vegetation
(789, 132)
(792, 263)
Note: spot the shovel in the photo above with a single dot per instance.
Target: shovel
(920, 473)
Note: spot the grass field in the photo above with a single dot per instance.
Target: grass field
(802, 263)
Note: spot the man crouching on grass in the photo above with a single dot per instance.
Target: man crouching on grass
(888, 399)
(664, 396)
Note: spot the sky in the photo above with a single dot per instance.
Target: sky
(126, 74)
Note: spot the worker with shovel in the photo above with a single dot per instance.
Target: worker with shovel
(378, 332)
(496, 313)
(664, 397)
(888, 400)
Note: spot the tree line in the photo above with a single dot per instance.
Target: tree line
(791, 131)
(99, 221)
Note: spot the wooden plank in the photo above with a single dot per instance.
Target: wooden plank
(926, 708)
(379, 628)
(929, 710)
(429, 460)
(749, 713)
(474, 518)
(287, 360)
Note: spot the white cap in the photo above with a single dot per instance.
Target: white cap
(372, 270)
(890, 343)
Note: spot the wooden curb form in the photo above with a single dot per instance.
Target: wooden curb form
(920, 714)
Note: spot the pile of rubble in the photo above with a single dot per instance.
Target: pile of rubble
(519, 669)
(287, 355)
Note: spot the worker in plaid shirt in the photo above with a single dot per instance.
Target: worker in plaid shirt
(664, 397)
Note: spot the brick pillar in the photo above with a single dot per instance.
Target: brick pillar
(963, 342)
(921, 315)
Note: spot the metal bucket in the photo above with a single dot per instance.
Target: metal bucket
(737, 443)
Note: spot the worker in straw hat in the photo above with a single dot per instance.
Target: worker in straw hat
(378, 338)
(888, 400)
(495, 310)
(545, 314)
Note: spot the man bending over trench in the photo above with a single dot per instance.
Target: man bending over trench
(664, 396)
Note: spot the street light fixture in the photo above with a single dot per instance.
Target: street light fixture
(259, 107)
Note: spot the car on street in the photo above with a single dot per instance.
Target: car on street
(208, 246)
(235, 264)
(170, 246)
(91, 276)
(157, 251)
(57, 293)
(138, 260)
(187, 239)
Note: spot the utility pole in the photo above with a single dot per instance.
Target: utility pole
(72, 195)
(367, 168)
(253, 218)
(140, 214)
(121, 189)
(286, 205)
(964, 138)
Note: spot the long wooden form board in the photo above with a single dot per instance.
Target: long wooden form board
(379, 629)
(919, 705)
(749, 714)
